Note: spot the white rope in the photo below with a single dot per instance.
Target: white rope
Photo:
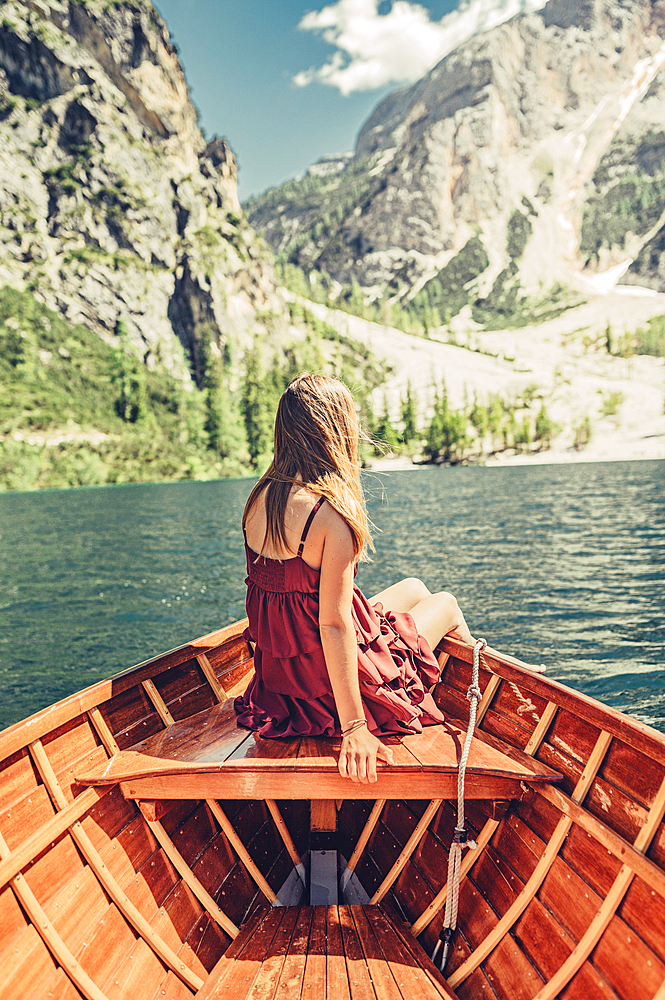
(460, 841)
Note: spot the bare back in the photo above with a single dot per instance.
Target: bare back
(298, 509)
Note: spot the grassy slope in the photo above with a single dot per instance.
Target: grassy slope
(63, 393)
(75, 410)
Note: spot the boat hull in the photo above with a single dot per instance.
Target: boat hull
(118, 890)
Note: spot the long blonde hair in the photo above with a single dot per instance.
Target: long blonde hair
(316, 445)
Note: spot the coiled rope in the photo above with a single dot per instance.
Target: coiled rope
(460, 836)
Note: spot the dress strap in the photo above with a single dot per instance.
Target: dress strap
(308, 524)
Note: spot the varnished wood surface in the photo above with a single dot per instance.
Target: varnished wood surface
(210, 743)
(48, 719)
(358, 952)
(581, 916)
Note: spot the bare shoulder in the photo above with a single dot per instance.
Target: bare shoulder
(333, 530)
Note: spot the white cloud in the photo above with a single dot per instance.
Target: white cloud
(374, 49)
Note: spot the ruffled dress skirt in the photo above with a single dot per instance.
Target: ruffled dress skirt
(290, 693)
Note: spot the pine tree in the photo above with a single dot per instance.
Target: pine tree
(256, 407)
(129, 376)
(436, 429)
(409, 416)
(222, 422)
(385, 432)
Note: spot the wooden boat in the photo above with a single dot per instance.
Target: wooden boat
(150, 849)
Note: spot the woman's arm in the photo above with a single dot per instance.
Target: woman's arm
(360, 748)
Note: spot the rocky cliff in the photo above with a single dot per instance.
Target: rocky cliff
(113, 207)
(524, 169)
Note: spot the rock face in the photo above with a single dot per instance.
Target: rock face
(528, 160)
(113, 207)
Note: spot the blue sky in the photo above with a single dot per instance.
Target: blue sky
(288, 81)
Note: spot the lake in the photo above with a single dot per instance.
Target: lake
(561, 564)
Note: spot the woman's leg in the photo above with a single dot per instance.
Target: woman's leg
(437, 615)
(402, 596)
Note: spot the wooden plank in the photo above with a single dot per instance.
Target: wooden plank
(643, 910)
(607, 838)
(188, 876)
(158, 702)
(17, 778)
(635, 734)
(155, 809)
(356, 966)
(407, 850)
(283, 784)
(378, 966)
(591, 767)
(103, 731)
(656, 813)
(488, 694)
(287, 840)
(263, 986)
(256, 752)
(361, 843)
(468, 861)
(241, 851)
(585, 946)
(44, 721)
(323, 816)
(336, 970)
(439, 748)
(632, 772)
(214, 682)
(234, 973)
(623, 959)
(71, 741)
(544, 864)
(517, 703)
(17, 859)
(120, 898)
(607, 908)
(50, 936)
(289, 982)
(540, 772)
(29, 962)
(314, 978)
(501, 928)
(207, 739)
(539, 733)
(415, 974)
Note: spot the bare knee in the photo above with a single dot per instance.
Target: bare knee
(449, 607)
(416, 589)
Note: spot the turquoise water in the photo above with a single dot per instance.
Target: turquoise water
(557, 564)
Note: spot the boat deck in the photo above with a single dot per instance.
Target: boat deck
(209, 756)
(148, 894)
(346, 952)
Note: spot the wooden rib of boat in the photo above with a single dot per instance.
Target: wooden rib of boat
(149, 848)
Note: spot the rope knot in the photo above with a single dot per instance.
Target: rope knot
(473, 692)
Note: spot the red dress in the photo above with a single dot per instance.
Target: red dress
(290, 693)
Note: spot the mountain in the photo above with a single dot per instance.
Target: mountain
(143, 335)
(524, 171)
(113, 206)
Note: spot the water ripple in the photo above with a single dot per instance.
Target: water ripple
(559, 564)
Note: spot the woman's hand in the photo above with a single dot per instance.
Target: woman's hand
(357, 758)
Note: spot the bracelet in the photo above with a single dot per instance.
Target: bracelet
(353, 725)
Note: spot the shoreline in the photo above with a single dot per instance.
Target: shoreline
(552, 457)
(562, 363)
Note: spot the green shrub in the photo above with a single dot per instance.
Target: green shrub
(611, 403)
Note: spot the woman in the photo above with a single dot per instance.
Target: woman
(327, 661)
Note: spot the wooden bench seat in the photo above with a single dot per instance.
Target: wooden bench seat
(314, 952)
(208, 756)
